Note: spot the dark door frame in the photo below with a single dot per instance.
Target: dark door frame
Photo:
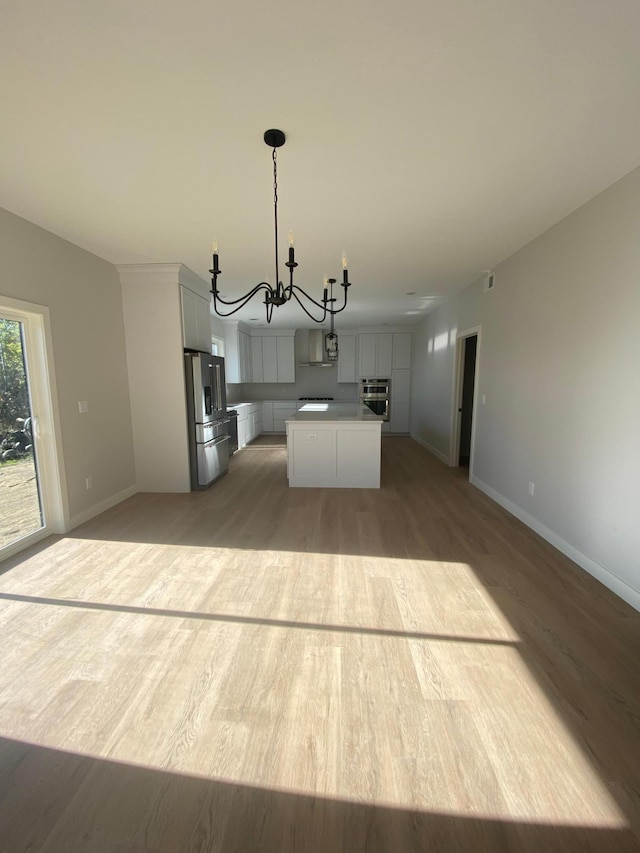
(458, 383)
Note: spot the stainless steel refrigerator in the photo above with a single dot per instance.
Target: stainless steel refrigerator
(206, 417)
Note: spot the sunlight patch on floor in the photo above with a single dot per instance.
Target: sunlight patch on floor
(331, 675)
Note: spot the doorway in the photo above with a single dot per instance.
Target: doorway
(470, 347)
(465, 382)
(31, 504)
(20, 504)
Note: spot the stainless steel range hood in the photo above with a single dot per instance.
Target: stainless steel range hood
(310, 348)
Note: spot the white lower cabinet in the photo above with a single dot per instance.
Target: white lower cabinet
(255, 422)
(283, 410)
(249, 422)
(267, 416)
(243, 424)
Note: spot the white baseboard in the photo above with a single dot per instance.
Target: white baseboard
(619, 587)
(441, 456)
(90, 513)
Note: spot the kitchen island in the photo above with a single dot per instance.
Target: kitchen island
(334, 445)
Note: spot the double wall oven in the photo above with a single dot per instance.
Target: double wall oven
(375, 394)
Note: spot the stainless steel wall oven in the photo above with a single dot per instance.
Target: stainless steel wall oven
(376, 394)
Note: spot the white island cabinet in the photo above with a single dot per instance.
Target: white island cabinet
(334, 445)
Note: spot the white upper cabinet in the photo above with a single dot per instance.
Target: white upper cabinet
(385, 355)
(375, 355)
(257, 365)
(367, 354)
(347, 371)
(246, 372)
(402, 351)
(196, 320)
(286, 359)
(259, 358)
(238, 355)
(272, 358)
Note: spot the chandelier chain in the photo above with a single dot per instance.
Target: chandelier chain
(275, 214)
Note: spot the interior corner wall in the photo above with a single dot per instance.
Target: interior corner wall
(84, 299)
(558, 368)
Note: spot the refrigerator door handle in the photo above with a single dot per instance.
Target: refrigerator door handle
(215, 441)
(218, 388)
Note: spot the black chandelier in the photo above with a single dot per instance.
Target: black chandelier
(280, 295)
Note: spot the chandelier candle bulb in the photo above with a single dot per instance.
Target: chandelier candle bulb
(216, 268)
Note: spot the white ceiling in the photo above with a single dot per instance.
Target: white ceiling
(430, 139)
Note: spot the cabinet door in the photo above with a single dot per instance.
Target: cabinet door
(270, 359)
(203, 323)
(401, 351)
(252, 426)
(232, 356)
(313, 455)
(400, 386)
(243, 432)
(399, 420)
(282, 411)
(347, 358)
(384, 356)
(256, 360)
(257, 423)
(267, 416)
(367, 365)
(286, 359)
(244, 343)
(189, 318)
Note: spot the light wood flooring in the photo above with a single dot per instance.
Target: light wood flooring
(255, 668)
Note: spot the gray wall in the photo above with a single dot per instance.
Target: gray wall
(558, 366)
(84, 298)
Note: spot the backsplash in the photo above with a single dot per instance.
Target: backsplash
(310, 382)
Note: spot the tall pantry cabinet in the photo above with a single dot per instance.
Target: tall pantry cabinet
(159, 319)
(387, 355)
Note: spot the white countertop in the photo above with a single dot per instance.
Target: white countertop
(323, 412)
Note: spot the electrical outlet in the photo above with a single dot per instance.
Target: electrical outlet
(83, 406)
(89, 483)
(531, 488)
